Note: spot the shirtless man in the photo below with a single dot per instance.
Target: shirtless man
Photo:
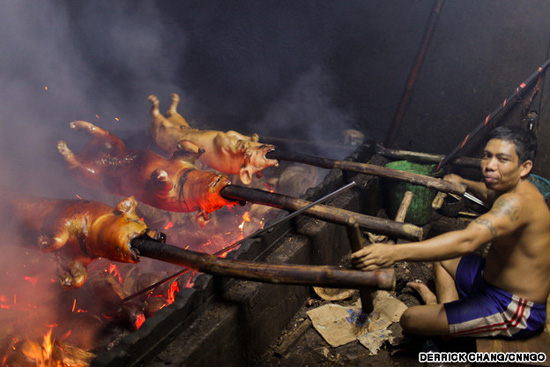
(505, 294)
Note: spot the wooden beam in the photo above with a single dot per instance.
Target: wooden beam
(321, 276)
(324, 212)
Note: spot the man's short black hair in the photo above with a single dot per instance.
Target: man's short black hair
(524, 140)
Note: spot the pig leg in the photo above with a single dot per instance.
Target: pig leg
(74, 277)
(55, 234)
(160, 182)
(172, 112)
(87, 173)
(50, 243)
(159, 122)
(103, 137)
(155, 112)
(187, 151)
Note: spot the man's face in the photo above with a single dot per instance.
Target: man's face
(500, 166)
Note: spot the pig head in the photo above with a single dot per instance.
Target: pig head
(227, 152)
(173, 184)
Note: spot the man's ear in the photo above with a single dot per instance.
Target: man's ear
(525, 168)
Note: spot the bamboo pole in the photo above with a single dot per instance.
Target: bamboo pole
(321, 276)
(500, 109)
(371, 169)
(356, 244)
(404, 207)
(420, 157)
(328, 213)
(404, 102)
(390, 153)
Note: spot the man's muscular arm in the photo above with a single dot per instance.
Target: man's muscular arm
(501, 220)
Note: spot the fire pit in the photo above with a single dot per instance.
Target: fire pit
(221, 321)
(130, 314)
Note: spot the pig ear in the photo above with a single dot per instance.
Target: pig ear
(245, 176)
(127, 205)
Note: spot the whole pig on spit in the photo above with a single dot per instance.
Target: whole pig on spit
(78, 231)
(227, 152)
(173, 184)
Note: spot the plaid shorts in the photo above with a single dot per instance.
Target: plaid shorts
(484, 310)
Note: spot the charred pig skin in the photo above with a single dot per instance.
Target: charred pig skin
(227, 152)
(78, 231)
(174, 184)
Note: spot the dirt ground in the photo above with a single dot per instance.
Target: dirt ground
(300, 345)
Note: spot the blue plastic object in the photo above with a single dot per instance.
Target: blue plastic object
(541, 183)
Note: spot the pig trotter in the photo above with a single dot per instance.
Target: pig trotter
(154, 105)
(202, 219)
(67, 154)
(75, 276)
(82, 125)
(174, 105)
(47, 244)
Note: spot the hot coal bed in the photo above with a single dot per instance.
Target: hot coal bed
(229, 322)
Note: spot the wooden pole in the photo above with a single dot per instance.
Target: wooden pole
(356, 243)
(419, 157)
(404, 207)
(328, 213)
(394, 154)
(404, 102)
(371, 169)
(321, 276)
(501, 108)
(402, 211)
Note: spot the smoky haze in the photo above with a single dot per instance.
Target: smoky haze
(289, 69)
(50, 76)
(248, 66)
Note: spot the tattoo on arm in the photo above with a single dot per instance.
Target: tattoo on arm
(487, 223)
(506, 208)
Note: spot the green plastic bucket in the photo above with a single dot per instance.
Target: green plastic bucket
(420, 211)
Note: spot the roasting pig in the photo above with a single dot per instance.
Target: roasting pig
(78, 231)
(174, 184)
(227, 152)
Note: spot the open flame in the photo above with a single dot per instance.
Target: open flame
(113, 270)
(76, 319)
(246, 218)
(40, 354)
(50, 352)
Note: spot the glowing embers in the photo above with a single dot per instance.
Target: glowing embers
(42, 325)
(118, 298)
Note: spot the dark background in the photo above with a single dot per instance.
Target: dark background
(291, 69)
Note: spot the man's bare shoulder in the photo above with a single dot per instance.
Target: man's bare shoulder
(509, 206)
(526, 204)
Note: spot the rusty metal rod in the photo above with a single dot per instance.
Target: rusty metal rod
(321, 276)
(324, 212)
(371, 169)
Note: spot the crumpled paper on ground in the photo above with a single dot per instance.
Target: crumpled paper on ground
(340, 325)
